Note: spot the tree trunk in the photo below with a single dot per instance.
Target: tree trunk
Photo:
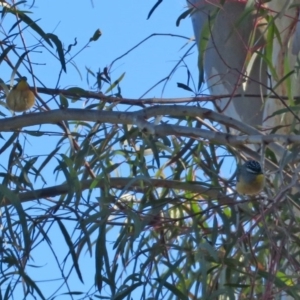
(245, 56)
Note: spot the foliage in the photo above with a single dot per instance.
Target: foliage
(153, 203)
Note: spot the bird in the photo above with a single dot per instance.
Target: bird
(20, 98)
(250, 178)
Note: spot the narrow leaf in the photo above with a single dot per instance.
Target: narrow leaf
(75, 93)
(59, 49)
(9, 142)
(154, 8)
(100, 254)
(64, 103)
(184, 15)
(126, 292)
(15, 201)
(32, 24)
(70, 246)
(115, 83)
(183, 86)
(16, 67)
(4, 53)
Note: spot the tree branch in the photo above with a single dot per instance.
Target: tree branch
(138, 185)
(135, 118)
(132, 101)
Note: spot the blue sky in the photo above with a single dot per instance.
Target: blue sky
(123, 24)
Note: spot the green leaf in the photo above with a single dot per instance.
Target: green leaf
(32, 24)
(16, 67)
(72, 177)
(73, 293)
(70, 246)
(76, 68)
(100, 255)
(153, 8)
(32, 283)
(59, 49)
(4, 53)
(183, 86)
(126, 291)
(64, 103)
(9, 142)
(75, 93)
(284, 78)
(285, 278)
(269, 41)
(89, 71)
(203, 42)
(184, 15)
(23, 178)
(34, 132)
(115, 83)
(294, 109)
(172, 288)
(15, 201)
(152, 144)
(7, 293)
